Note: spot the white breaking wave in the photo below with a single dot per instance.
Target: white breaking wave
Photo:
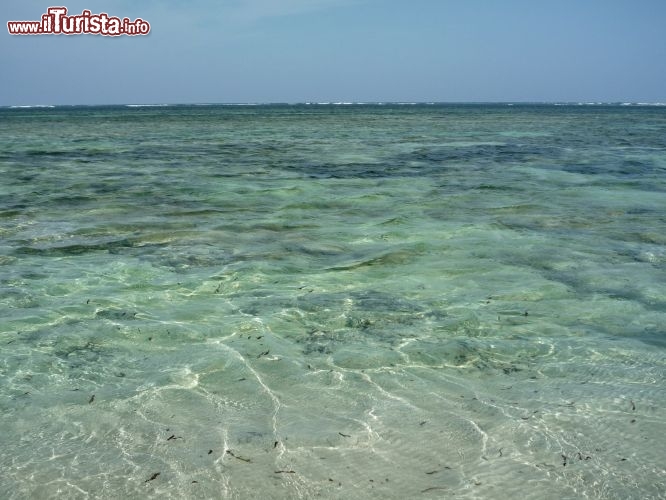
(33, 106)
(146, 105)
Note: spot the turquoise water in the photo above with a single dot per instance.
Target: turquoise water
(446, 301)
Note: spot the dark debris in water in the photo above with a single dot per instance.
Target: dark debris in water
(115, 314)
(237, 457)
(152, 478)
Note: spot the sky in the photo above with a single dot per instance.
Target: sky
(233, 51)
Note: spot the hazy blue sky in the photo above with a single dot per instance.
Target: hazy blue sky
(343, 50)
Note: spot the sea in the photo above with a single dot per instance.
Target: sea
(333, 300)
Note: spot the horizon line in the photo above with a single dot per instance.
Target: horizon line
(344, 103)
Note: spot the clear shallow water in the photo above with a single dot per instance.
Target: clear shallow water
(336, 302)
